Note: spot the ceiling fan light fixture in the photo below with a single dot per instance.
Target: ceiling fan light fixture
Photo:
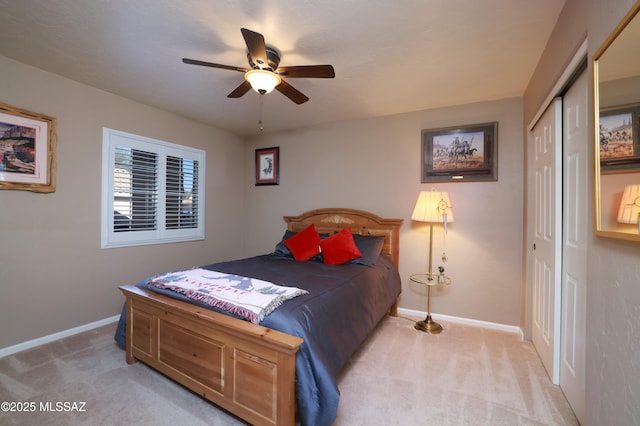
(261, 74)
(262, 81)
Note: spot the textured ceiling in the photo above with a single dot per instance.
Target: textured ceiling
(389, 57)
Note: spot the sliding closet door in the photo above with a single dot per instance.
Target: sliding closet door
(547, 247)
(574, 251)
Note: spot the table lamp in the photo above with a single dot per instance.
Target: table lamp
(432, 207)
(629, 210)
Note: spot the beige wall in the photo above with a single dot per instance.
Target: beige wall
(613, 305)
(566, 38)
(53, 274)
(375, 165)
(613, 287)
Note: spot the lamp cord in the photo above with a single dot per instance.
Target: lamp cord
(442, 207)
(444, 247)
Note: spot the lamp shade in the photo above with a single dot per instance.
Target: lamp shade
(432, 206)
(262, 81)
(630, 204)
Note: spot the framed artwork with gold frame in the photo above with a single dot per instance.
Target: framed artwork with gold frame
(27, 150)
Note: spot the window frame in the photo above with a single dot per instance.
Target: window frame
(109, 237)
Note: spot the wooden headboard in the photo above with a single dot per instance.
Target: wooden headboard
(332, 220)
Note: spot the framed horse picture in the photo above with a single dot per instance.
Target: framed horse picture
(458, 154)
(619, 142)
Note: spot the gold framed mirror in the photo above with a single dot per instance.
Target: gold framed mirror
(616, 71)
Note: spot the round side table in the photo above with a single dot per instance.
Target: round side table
(429, 279)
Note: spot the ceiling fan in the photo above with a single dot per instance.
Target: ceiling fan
(264, 74)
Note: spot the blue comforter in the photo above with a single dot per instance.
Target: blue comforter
(343, 306)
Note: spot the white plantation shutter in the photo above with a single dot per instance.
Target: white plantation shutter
(135, 198)
(181, 194)
(152, 191)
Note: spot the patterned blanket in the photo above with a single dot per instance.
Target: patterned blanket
(249, 298)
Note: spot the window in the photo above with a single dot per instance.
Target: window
(152, 191)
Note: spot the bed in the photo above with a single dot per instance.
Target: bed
(284, 367)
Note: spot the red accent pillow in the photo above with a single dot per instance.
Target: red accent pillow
(305, 244)
(339, 248)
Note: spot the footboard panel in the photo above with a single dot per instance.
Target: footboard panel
(244, 368)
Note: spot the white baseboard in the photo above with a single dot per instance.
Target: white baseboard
(10, 350)
(466, 321)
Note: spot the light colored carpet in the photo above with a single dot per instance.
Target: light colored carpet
(400, 376)
(464, 376)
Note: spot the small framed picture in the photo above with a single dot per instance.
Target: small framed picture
(460, 154)
(27, 150)
(268, 166)
(619, 142)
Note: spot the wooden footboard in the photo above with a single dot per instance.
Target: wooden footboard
(244, 368)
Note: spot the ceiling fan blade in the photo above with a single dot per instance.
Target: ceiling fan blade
(257, 47)
(308, 71)
(239, 91)
(212, 65)
(291, 92)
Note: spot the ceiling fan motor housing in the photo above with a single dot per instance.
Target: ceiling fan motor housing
(273, 60)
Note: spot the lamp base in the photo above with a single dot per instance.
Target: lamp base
(428, 326)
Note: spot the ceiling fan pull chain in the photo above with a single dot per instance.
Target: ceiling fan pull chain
(260, 119)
